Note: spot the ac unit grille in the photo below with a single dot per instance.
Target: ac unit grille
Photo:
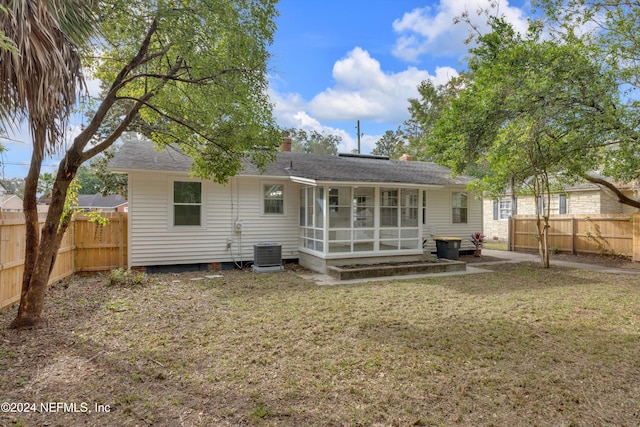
(267, 254)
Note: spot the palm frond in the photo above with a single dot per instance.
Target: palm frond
(39, 81)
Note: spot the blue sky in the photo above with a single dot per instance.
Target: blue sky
(336, 62)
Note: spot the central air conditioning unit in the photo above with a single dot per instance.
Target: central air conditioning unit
(267, 256)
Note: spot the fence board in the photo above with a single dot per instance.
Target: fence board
(86, 247)
(593, 234)
(101, 248)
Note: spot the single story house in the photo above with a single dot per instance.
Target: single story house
(98, 202)
(321, 210)
(582, 198)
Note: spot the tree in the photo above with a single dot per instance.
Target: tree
(609, 30)
(194, 72)
(88, 182)
(425, 112)
(45, 184)
(534, 113)
(313, 142)
(14, 186)
(391, 144)
(109, 182)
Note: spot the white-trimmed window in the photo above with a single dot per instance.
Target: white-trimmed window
(187, 203)
(459, 207)
(502, 209)
(273, 199)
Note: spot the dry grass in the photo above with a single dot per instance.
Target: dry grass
(521, 346)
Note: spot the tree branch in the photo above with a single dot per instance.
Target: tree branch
(200, 81)
(85, 136)
(192, 128)
(625, 200)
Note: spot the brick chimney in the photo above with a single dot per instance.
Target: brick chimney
(286, 144)
(406, 158)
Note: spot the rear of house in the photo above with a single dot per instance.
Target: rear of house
(320, 210)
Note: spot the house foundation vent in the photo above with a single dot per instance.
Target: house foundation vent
(267, 256)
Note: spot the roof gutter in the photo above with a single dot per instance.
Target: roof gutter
(379, 184)
(305, 181)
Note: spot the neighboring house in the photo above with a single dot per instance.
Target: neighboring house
(98, 202)
(321, 210)
(584, 198)
(10, 203)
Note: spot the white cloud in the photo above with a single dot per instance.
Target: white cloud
(363, 91)
(432, 30)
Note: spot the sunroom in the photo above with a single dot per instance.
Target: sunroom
(342, 224)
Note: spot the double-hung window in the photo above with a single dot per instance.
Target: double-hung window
(187, 203)
(502, 209)
(273, 198)
(459, 208)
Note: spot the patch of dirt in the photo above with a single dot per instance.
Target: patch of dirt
(472, 259)
(617, 261)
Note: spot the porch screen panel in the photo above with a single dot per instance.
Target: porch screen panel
(339, 219)
(319, 210)
(311, 218)
(340, 207)
(363, 219)
(399, 219)
(409, 219)
(303, 209)
(389, 207)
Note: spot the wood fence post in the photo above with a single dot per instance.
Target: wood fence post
(573, 235)
(509, 231)
(635, 218)
(122, 237)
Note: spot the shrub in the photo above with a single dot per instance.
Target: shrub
(126, 278)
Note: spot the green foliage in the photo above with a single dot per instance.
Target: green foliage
(109, 182)
(391, 144)
(45, 183)
(313, 142)
(531, 109)
(14, 186)
(88, 182)
(204, 76)
(425, 112)
(533, 113)
(608, 29)
(70, 203)
(260, 411)
(97, 217)
(126, 278)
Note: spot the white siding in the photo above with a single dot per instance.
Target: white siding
(154, 240)
(439, 218)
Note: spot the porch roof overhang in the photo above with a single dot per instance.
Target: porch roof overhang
(315, 183)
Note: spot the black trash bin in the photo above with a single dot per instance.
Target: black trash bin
(448, 247)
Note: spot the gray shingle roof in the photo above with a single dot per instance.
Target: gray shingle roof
(100, 201)
(141, 155)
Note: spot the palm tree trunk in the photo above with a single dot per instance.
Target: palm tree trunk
(28, 299)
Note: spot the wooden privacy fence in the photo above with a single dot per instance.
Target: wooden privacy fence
(617, 234)
(86, 247)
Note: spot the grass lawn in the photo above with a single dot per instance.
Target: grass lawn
(520, 346)
(499, 246)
